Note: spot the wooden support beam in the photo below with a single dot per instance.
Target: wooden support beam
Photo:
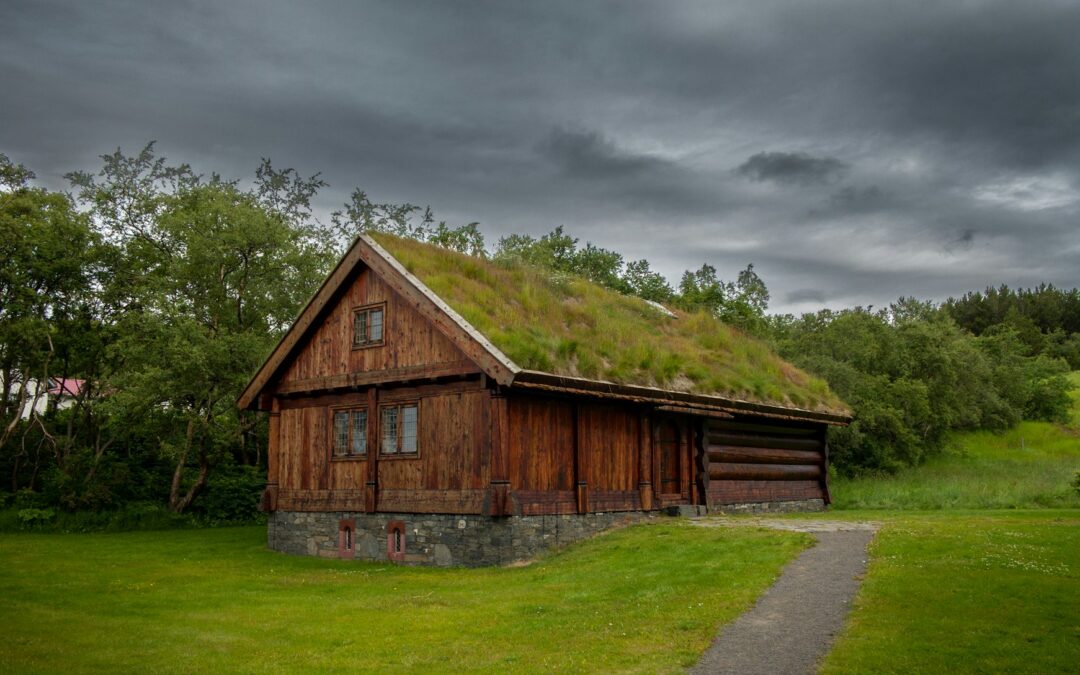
(764, 441)
(371, 486)
(691, 459)
(581, 466)
(273, 460)
(698, 412)
(825, 467)
(420, 374)
(701, 463)
(749, 455)
(645, 488)
(725, 471)
(497, 502)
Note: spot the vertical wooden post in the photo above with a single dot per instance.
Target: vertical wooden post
(645, 489)
(273, 461)
(701, 446)
(825, 465)
(371, 486)
(581, 466)
(498, 498)
(689, 428)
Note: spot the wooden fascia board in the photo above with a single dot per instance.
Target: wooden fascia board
(463, 334)
(300, 326)
(532, 379)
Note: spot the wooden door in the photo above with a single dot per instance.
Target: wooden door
(670, 442)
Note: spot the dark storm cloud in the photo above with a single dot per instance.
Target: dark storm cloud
(587, 154)
(852, 199)
(965, 240)
(805, 295)
(883, 149)
(797, 168)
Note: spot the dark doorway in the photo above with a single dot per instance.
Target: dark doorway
(670, 459)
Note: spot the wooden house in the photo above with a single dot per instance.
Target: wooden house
(436, 408)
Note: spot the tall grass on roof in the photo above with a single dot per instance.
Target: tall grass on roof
(565, 325)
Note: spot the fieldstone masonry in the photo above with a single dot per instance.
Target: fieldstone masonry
(800, 506)
(442, 540)
(468, 540)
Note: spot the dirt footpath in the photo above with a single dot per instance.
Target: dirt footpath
(793, 624)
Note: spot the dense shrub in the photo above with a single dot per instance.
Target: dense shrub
(232, 497)
(910, 375)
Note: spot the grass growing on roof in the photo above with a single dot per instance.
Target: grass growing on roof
(568, 326)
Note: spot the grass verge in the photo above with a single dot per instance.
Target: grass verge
(643, 599)
(967, 592)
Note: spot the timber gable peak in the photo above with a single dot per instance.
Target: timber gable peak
(365, 250)
(479, 349)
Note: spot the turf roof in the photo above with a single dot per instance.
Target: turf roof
(566, 325)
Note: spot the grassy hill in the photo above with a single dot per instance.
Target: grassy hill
(1029, 466)
(566, 325)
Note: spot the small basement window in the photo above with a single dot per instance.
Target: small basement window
(349, 432)
(400, 424)
(368, 326)
(395, 540)
(346, 538)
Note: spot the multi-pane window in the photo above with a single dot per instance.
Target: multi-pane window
(368, 326)
(350, 432)
(399, 429)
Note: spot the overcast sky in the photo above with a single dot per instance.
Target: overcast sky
(853, 151)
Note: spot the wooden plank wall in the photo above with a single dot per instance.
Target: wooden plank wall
(571, 457)
(450, 474)
(764, 462)
(411, 340)
(609, 438)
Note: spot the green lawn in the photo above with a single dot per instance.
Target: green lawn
(957, 586)
(967, 592)
(642, 599)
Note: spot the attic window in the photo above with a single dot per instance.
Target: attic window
(368, 326)
(399, 429)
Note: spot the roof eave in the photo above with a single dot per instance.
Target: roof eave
(534, 379)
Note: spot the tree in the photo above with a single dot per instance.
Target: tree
(47, 254)
(464, 239)
(742, 303)
(206, 277)
(643, 282)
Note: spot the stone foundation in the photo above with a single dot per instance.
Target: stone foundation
(435, 539)
(468, 541)
(799, 506)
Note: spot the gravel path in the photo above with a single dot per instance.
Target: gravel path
(793, 624)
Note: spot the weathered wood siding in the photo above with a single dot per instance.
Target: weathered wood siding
(567, 456)
(448, 475)
(411, 341)
(609, 441)
(762, 462)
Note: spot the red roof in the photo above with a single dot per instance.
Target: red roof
(66, 386)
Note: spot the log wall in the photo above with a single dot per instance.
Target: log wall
(754, 462)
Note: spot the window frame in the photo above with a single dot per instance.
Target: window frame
(350, 456)
(398, 434)
(367, 309)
